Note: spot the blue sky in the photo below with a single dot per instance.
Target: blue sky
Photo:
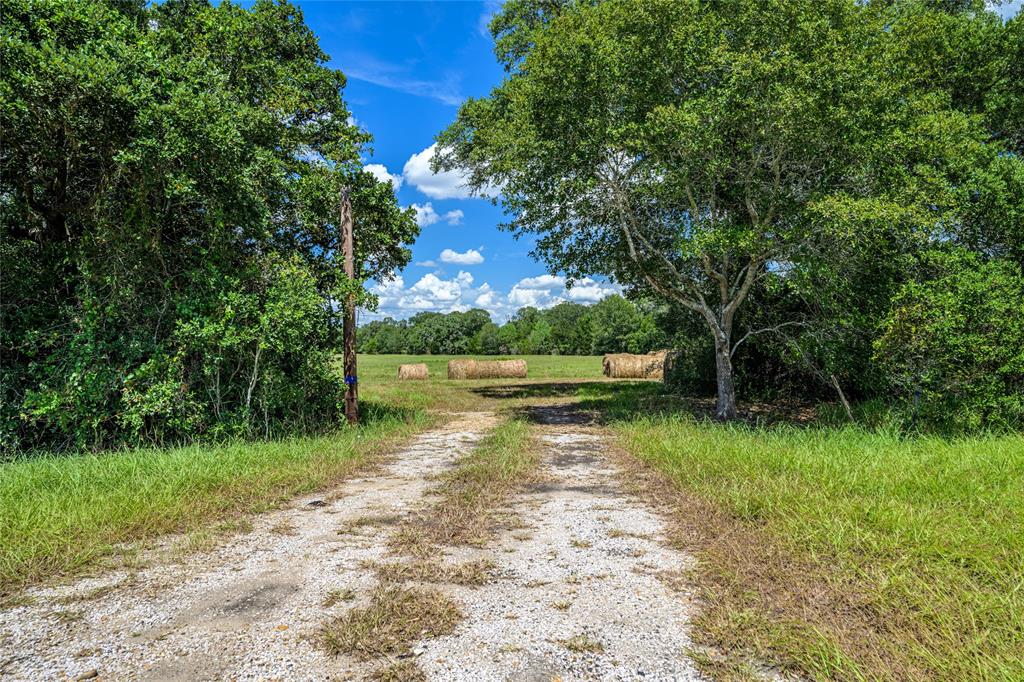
(409, 64)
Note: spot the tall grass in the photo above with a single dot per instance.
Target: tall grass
(925, 536)
(59, 514)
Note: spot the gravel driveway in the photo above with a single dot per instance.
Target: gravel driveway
(578, 591)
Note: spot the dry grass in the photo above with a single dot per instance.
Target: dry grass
(476, 572)
(337, 596)
(396, 617)
(580, 544)
(284, 527)
(723, 668)
(581, 644)
(561, 605)
(467, 511)
(96, 592)
(615, 533)
(757, 600)
(370, 520)
(399, 671)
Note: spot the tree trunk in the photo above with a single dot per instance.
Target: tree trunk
(725, 409)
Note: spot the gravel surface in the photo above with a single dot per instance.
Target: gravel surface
(581, 592)
(249, 609)
(580, 589)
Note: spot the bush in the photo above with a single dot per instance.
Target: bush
(954, 344)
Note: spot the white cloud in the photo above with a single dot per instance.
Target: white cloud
(434, 292)
(443, 290)
(542, 282)
(545, 291)
(536, 298)
(426, 215)
(589, 291)
(380, 172)
(470, 257)
(443, 185)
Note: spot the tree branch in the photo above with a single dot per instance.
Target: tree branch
(764, 331)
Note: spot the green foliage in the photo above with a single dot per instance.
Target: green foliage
(612, 325)
(956, 340)
(169, 190)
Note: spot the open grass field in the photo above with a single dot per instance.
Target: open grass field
(378, 379)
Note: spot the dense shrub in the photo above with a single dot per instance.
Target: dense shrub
(169, 185)
(954, 343)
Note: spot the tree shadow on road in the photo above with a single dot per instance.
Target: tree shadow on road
(603, 402)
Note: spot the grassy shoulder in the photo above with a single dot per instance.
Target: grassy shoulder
(849, 554)
(61, 514)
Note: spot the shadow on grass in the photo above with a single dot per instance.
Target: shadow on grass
(375, 411)
(603, 402)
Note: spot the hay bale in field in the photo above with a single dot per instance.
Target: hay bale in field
(417, 371)
(630, 366)
(487, 369)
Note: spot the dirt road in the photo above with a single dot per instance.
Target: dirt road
(579, 588)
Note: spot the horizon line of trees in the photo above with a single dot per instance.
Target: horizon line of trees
(612, 325)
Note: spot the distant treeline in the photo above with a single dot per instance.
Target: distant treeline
(613, 325)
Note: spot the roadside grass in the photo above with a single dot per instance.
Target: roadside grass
(844, 553)
(470, 494)
(60, 514)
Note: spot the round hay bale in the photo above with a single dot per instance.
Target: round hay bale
(630, 366)
(459, 369)
(487, 369)
(413, 372)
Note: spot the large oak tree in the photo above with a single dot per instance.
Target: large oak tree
(693, 149)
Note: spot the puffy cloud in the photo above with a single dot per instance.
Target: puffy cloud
(545, 291)
(588, 291)
(542, 282)
(426, 215)
(488, 300)
(443, 185)
(435, 292)
(443, 290)
(470, 257)
(380, 172)
(537, 298)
